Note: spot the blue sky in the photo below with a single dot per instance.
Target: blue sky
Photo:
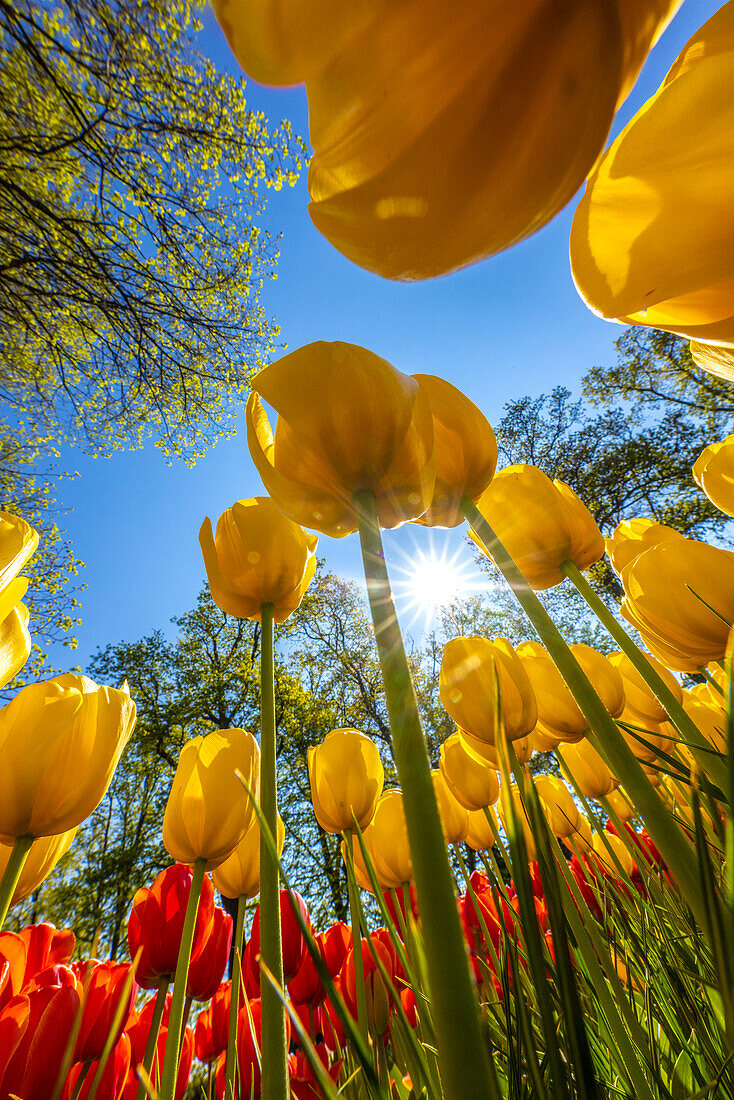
(509, 326)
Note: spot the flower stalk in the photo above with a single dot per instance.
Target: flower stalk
(11, 876)
(234, 1001)
(155, 1026)
(465, 1069)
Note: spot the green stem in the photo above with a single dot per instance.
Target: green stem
(9, 881)
(465, 1067)
(603, 732)
(234, 1000)
(155, 1026)
(354, 913)
(712, 765)
(273, 1043)
(86, 1066)
(173, 1040)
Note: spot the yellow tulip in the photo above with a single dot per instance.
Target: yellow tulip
(239, 875)
(652, 241)
(581, 840)
(511, 800)
(437, 145)
(347, 421)
(471, 668)
(557, 802)
(44, 854)
(714, 359)
(15, 642)
(18, 541)
(714, 472)
(642, 704)
(454, 818)
(386, 839)
(59, 745)
(466, 451)
(633, 536)
(473, 784)
(479, 835)
(541, 523)
(620, 850)
(258, 556)
(208, 810)
(655, 736)
(621, 805)
(559, 717)
(485, 753)
(590, 774)
(710, 720)
(347, 777)
(680, 596)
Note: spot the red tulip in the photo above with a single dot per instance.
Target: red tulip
(138, 1029)
(207, 967)
(335, 944)
(156, 923)
(14, 1017)
(497, 925)
(410, 1008)
(250, 970)
(329, 1023)
(33, 1069)
(212, 1027)
(12, 966)
(46, 946)
(113, 1078)
(303, 1081)
(293, 945)
(306, 987)
(399, 921)
(102, 985)
(379, 993)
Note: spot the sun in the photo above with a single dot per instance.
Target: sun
(428, 582)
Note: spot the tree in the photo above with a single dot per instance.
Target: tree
(634, 457)
(132, 177)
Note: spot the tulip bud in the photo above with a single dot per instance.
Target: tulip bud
(620, 850)
(207, 967)
(485, 753)
(479, 835)
(621, 805)
(18, 542)
(212, 1026)
(454, 819)
(651, 242)
(59, 745)
(632, 537)
(348, 421)
(386, 839)
(472, 671)
(379, 994)
(208, 810)
(306, 988)
(112, 1081)
(156, 923)
(710, 719)
(347, 777)
(45, 946)
(335, 944)
(511, 805)
(103, 988)
(713, 471)
(640, 699)
(294, 946)
(466, 451)
(680, 596)
(558, 805)
(559, 716)
(33, 1067)
(590, 774)
(15, 641)
(44, 854)
(239, 875)
(541, 523)
(472, 783)
(258, 556)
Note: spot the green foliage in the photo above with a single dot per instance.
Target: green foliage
(132, 178)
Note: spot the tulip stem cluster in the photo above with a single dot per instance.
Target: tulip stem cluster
(712, 765)
(463, 1058)
(155, 1024)
(9, 880)
(274, 1046)
(355, 915)
(603, 732)
(175, 1023)
(235, 995)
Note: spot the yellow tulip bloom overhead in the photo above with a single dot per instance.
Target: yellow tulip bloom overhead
(466, 451)
(471, 671)
(346, 776)
(479, 835)
(715, 359)
(348, 421)
(641, 702)
(652, 241)
(472, 783)
(557, 802)
(18, 542)
(15, 641)
(60, 741)
(713, 470)
(454, 817)
(541, 523)
(386, 838)
(485, 753)
(239, 875)
(44, 854)
(208, 810)
(680, 596)
(631, 537)
(591, 775)
(258, 556)
(438, 142)
(559, 716)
